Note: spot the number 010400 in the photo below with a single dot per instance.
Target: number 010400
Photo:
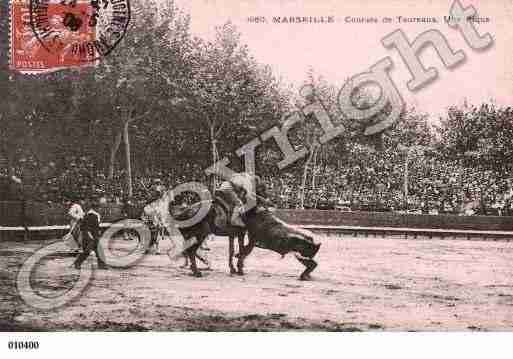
(23, 345)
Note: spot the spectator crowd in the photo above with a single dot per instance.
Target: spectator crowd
(365, 180)
(375, 181)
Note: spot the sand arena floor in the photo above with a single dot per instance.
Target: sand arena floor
(375, 284)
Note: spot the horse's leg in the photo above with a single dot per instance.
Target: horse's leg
(186, 261)
(157, 241)
(204, 261)
(244, 251)
(192, 258)
(204, 245)
(151, 245)
(185, 255)
(192, 255)
(251, 245)
(310, 265)
(194, 267)
(230, 254)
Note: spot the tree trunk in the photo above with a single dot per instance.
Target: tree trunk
(305, 174)
(213, 143)
(315, 168)
(128, 160)
(303, 185)
(113, 152)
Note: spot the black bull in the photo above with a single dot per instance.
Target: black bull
(269, 232)
(264, 230)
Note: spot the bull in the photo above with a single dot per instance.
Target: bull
(267, 231)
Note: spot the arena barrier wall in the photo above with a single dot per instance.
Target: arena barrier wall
(396, 220)
(31, 213)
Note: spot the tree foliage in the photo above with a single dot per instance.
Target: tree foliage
(167, 95)
(478, 135)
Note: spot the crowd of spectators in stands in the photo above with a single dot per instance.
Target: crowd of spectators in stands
(373, 180)
(366, 180)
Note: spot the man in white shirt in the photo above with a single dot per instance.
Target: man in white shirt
(76, 214)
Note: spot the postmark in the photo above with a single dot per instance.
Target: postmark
(48, 35)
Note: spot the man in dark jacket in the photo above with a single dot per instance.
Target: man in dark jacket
(90, 227)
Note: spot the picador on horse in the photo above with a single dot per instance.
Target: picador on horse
(228, 216)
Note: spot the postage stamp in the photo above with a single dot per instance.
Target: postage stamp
(48, 35)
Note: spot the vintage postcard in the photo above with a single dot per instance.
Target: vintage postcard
(222, 165)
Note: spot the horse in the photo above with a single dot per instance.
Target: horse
(269, 232)
(159, 232)
(216, 222)
(203, 260)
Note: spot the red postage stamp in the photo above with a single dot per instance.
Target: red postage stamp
(49, 35)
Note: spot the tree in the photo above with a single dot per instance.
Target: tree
(411, 129)
(140, 80)
(230, 97)
(478, 135)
